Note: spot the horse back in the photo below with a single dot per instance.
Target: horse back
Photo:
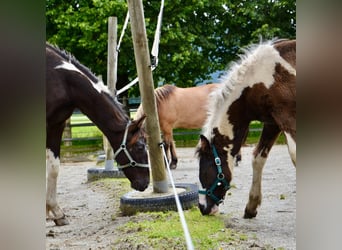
(287, 50)
(191, 105)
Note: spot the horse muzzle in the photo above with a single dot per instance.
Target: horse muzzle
(140, 185)
(205, 210)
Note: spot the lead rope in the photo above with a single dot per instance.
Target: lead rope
(188, 239)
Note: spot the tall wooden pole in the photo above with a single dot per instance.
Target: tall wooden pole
(111, 81)
(143, 64)
(112, 54)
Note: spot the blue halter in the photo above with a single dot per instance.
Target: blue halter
(220, 180)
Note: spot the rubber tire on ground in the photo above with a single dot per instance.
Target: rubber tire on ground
(188, 199)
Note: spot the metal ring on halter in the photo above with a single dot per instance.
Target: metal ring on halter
(220, 176)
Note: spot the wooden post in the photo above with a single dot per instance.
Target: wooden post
(143, 64)
(67, 132)
(111, 81)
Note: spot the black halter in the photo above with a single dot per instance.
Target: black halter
(220, 180)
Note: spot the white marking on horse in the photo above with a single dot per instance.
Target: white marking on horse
(291, 144)
(52, 166)
(258, 163)
(52, 169)
(203, 201)
(257, 66)
(230, 158)
(99, 86)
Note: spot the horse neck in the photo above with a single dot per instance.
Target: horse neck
(105, 114)
(227, 121)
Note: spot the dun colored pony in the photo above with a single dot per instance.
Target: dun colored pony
(261, 87)
(70, 85)
(179, 108)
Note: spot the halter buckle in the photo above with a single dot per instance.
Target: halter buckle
(217, 161)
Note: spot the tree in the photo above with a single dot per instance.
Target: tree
(197, 37)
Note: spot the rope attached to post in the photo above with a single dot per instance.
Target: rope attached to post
(188, 239)
(122, 32)
(155, 46)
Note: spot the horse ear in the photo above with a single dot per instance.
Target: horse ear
(140, 121)
(205, 145)
(137, 124)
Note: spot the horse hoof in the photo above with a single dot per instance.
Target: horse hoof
(61, 222)
(249, 214)
(173, 166)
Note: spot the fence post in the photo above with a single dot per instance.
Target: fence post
(146, 85)
(67, 132)
(111, 81)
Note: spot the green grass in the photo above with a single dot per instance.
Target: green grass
(163, 230)
(188, 138)
(83, 132)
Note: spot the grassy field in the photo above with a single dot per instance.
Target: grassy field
(89, 138)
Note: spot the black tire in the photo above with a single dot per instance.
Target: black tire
(188, 199)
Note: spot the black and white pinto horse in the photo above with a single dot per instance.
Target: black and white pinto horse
(70, 85)
(261, 87)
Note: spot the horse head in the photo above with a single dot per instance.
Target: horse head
(214, 174)
(132, 155)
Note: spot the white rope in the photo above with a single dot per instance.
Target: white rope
(155, 46)
(129, 85)
(122, 32)
(189, 243)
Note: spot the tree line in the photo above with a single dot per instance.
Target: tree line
(198, 38)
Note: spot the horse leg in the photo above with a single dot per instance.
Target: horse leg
(238, 157)
(52, 169)
(168, 146)
(174, 158)
(289, 127)
(260, 154)
(291, 146)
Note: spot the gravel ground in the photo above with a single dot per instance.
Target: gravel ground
(275, 223)
(90, 213)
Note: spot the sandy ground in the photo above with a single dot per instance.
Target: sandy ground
(91, 214)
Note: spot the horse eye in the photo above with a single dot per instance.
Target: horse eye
(140, 146)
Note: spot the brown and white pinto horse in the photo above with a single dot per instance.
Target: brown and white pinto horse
(70, 85)
(261, 87)
(179, 108)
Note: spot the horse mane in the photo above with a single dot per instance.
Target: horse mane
(236, 79)
(164, 92)
(161, 93)
(70, 58)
